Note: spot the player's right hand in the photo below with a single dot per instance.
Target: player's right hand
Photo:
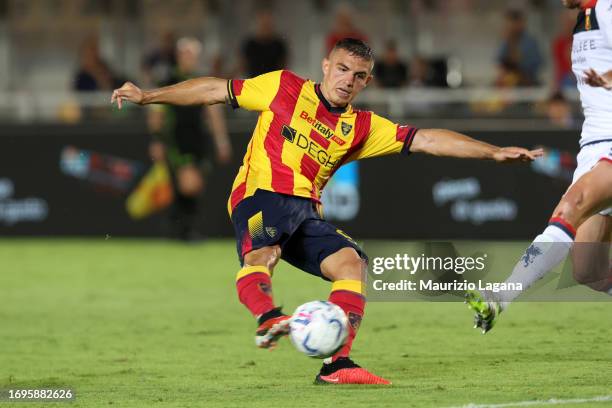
(128, 92)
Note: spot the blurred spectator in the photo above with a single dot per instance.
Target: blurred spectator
(159, 63)
(559, 111)
(508, 75)
(343, 28)
(562, 50)
(265, 51)
(390, 71)
(181, 141)
(420, 72)
(519, 50)
(94, 74)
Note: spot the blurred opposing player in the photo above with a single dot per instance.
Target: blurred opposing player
(305, 132)
(584, 213)
(179, 140)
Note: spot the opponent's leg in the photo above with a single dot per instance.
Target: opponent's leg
(591, 253)
(254, 286)
(345, 268)
(589, 195)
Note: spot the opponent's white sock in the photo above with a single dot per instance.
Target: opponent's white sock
(547, 251)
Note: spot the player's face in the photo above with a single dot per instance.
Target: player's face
(344, 76)
(572, 4)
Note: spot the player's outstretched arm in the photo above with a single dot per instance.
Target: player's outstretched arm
(197, 91)
(446, 143)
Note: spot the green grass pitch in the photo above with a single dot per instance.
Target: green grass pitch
(132, 323)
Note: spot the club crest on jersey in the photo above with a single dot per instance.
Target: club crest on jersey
(346, 128)
(587, 24)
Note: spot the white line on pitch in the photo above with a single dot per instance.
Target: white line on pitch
(552, 401)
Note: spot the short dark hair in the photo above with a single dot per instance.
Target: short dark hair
(355, 47)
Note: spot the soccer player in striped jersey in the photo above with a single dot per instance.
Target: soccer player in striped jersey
(584, 214)
(304, 133)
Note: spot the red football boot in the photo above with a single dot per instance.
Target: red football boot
(272, 326)
(345, 371)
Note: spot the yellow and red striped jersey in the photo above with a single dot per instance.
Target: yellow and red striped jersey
(300, 140)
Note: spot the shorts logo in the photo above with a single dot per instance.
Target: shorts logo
(354, 320)
(271, 231)
(346, 128)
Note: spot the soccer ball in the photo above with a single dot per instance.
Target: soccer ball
(318, 329)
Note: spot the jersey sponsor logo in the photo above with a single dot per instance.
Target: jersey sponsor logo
(288, 133)
(346, 128)
(317, 125)
(324, 130)
(584, 45)
(310, 147)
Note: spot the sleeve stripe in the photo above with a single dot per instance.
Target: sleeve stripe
(408, 141)
(230, 94)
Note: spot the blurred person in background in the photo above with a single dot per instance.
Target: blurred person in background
(343, 27)
(562, 50)
(390, 71)
(559, 111)
(265, 50)
(180, 141)
(420, 72)
(160, 62)
(508, 75)
(94, 74)
(519, 49)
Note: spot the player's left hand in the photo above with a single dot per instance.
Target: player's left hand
(516, 154)
(594, 79)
